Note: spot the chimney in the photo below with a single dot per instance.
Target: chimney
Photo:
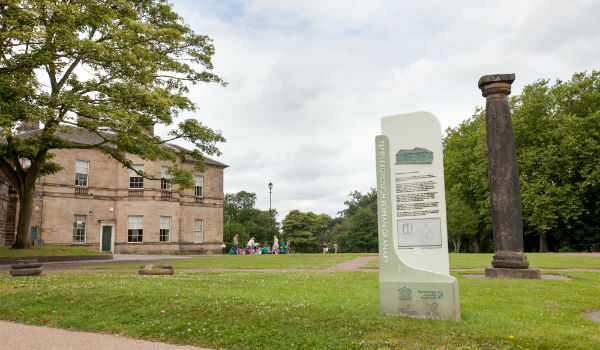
(28, 126)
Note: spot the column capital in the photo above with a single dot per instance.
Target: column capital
(496, 85)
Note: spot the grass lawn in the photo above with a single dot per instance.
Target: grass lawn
(46, 251)
(536, 260)
(304, 310)
(291, 261)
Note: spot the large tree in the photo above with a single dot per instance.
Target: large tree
(92, 66)
(356, 229)
(557, 136)
(234, 202)
(306, 231)
(557, 132)
(466, 180)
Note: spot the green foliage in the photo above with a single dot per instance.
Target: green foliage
(356, 230)
(557, 130)
(91, 65)
(465, 174)
(234, 202)
(557, 136)
(462, 221)
(306, 231)
(239, 208)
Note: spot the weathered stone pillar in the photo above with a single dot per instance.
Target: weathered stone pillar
(505, 195)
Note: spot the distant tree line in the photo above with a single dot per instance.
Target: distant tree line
(557, 135)
(354, 230)
(242, 218)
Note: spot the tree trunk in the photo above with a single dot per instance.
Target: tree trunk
(477, 242)
(23, 239)
(456, 244)
(544, 243)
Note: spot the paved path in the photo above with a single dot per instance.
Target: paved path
(351, 265)
(16, 336)
(541, 269)
(117, 259)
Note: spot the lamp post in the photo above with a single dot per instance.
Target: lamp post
(270, 223)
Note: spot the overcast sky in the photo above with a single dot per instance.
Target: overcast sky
(310, 80)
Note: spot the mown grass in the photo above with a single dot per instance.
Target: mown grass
(46, 251)
(536, 260)
(303, 310)
(287, 261)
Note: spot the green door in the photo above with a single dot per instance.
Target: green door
(106, 238)
(33, 234)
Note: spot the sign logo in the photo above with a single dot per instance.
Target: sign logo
(405, 293)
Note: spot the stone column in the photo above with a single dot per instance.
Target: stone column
(505, 195)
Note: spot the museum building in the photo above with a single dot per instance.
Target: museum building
(96, 203)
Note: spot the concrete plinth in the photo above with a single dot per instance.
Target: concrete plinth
(513, 273)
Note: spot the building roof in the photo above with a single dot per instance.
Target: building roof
(83, 137)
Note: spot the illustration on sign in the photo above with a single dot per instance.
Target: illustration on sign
(417, 155)
(419, 233)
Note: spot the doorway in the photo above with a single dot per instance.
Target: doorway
(106, 242)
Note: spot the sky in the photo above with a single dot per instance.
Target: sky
(308, 81)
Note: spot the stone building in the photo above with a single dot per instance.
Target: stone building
(96, 203)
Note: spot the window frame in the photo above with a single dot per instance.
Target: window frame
(87, 173)
(163, 229)
(198, 233)
(135, 179)
(79, 232)
(198, 189)
(165, 184)
(131, 227)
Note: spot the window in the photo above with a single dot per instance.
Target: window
(165, 184)
(82, 169)
(135, 229)
(135, 180)
(79, 228)
(198, 231)
(199, 186)
(165, 228)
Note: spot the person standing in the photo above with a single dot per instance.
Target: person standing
(235, 244)
(335, 248)
(275, 243)
(251, 244)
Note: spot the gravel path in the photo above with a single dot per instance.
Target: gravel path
(16, 336)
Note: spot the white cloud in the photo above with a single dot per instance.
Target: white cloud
(309, 80)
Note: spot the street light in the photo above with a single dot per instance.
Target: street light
(271, 223)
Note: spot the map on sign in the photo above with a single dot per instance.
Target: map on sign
(419, 233)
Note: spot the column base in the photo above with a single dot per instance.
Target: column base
(512, 273)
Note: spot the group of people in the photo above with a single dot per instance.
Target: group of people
(326, 248)
(253, 247)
